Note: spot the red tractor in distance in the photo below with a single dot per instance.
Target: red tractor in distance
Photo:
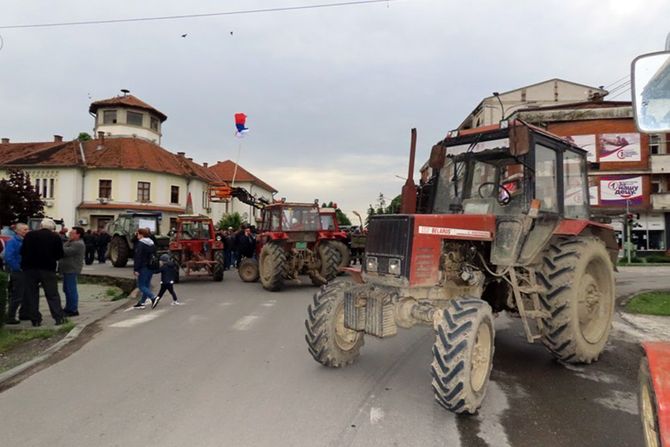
(292, 243)
(340, 238)
(195, 248)
(503, 224)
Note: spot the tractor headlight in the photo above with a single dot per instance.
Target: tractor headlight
(394, 266)
(371, 264)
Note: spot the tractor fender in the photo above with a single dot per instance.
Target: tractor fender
(276, 236)
(355, 273)
(582, 227)
(658, 356)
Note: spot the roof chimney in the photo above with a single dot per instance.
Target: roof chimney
(58, 138)
(101, 137)
(190, 159)
(5, 141)
(181, 154)
(204, 165)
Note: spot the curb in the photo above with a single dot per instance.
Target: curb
(55, 348)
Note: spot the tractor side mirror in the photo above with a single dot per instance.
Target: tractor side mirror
(437, 155)
(519, 139)
(651, 92)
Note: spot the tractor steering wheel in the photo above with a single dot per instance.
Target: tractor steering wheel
(504, 197)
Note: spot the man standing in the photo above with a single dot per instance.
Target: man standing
(17, 293)
(70, 267)
(103, 241)
(144, 249)
(229, 248)
(89, 242)
(246, 245)
(40, 252)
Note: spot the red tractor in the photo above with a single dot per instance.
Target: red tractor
(195, 248)
(340, 240)
(291, 243)
(494, 233)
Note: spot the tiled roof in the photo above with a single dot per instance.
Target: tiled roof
(114, 153)
(224, 170)
(127, 101)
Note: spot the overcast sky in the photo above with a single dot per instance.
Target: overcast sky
(331, 94)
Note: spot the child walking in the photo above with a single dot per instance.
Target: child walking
(169, 275)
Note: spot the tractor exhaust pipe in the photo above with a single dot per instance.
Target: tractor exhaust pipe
(408, 197)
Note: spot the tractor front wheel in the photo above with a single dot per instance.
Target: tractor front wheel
(248, 270)
(118, 251)
(217, 269)
(273, 265)
(345, 256)
(463, 354)
(328, 340)
(329, 262)
(578, 278)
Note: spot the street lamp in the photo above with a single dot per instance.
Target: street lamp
(502, 107)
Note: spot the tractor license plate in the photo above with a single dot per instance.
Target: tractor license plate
(301, 245)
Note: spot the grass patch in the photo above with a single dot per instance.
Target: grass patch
(650, 303)
(11, 338)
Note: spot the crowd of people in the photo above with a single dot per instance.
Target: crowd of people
(237, 244)
(33, 259)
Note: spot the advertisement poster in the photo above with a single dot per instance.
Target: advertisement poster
(620, 147)
(586, 142)
(616, 190)
(593, 195)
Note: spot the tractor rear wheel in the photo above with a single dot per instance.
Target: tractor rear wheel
(329, 262)
(273, 265)
(345, 256)
(328, 340)
(118, 251)
(578, 278)
(248, 270)
(217, 269)
(463, 354)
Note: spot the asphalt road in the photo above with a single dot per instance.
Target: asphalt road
(231, 368)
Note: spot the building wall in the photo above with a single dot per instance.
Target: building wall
(121, 128)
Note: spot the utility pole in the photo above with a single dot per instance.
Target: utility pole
(629, 243)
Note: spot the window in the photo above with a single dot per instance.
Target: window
(105, 189)
(52, 183)
(654, 144)
(109, 117)
(45, 187)
(143, 191)
(174, 194)
(205, 200)
(134, 118)
(37, 186)
(545, 178)
(574, 186)
(154, 124)
(655, 186)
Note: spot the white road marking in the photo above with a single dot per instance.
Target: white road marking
(136, 320)
(620, 401)
(376, 415)
(245, 323)
(225, 303)
(269, 303)
(491, 428)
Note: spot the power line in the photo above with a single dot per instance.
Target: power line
(615, 82)
(194, 16)
(621, 93)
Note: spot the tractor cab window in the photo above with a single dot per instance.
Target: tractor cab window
(300, 219)
(450, 185)
(194, 230)
(497, 186)
(327, 222)
(575, 186)
(275, 220)
(546, 188)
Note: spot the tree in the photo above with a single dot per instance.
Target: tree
(19, 198)
(230, 220)
(381, 204)
(83, 136)
(394, 206)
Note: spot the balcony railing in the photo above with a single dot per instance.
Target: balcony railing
(660, 201)
(660, 164)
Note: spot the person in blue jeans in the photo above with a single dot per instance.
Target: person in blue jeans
(70, 267)
(144, 249)
(17, 285)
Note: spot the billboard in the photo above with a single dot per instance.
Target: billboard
(586, 142)
(620, 147)
(616, 190)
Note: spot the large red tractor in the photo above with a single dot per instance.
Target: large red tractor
(195, 248)
(291, 243)
(495, 233)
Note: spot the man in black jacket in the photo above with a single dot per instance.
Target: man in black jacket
(40, 253)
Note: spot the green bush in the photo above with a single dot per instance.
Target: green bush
(658, 258)
(4, 282)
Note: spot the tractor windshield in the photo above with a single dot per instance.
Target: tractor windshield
(300, 219)
(328, 222)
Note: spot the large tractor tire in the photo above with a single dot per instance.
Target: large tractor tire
(273, 265)
(345, 256)
(328, 340)
(578, 278)
(463, 355)
(119, 251)
(248, 270)
(329, 262)
(648, 405)
(217, 270)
